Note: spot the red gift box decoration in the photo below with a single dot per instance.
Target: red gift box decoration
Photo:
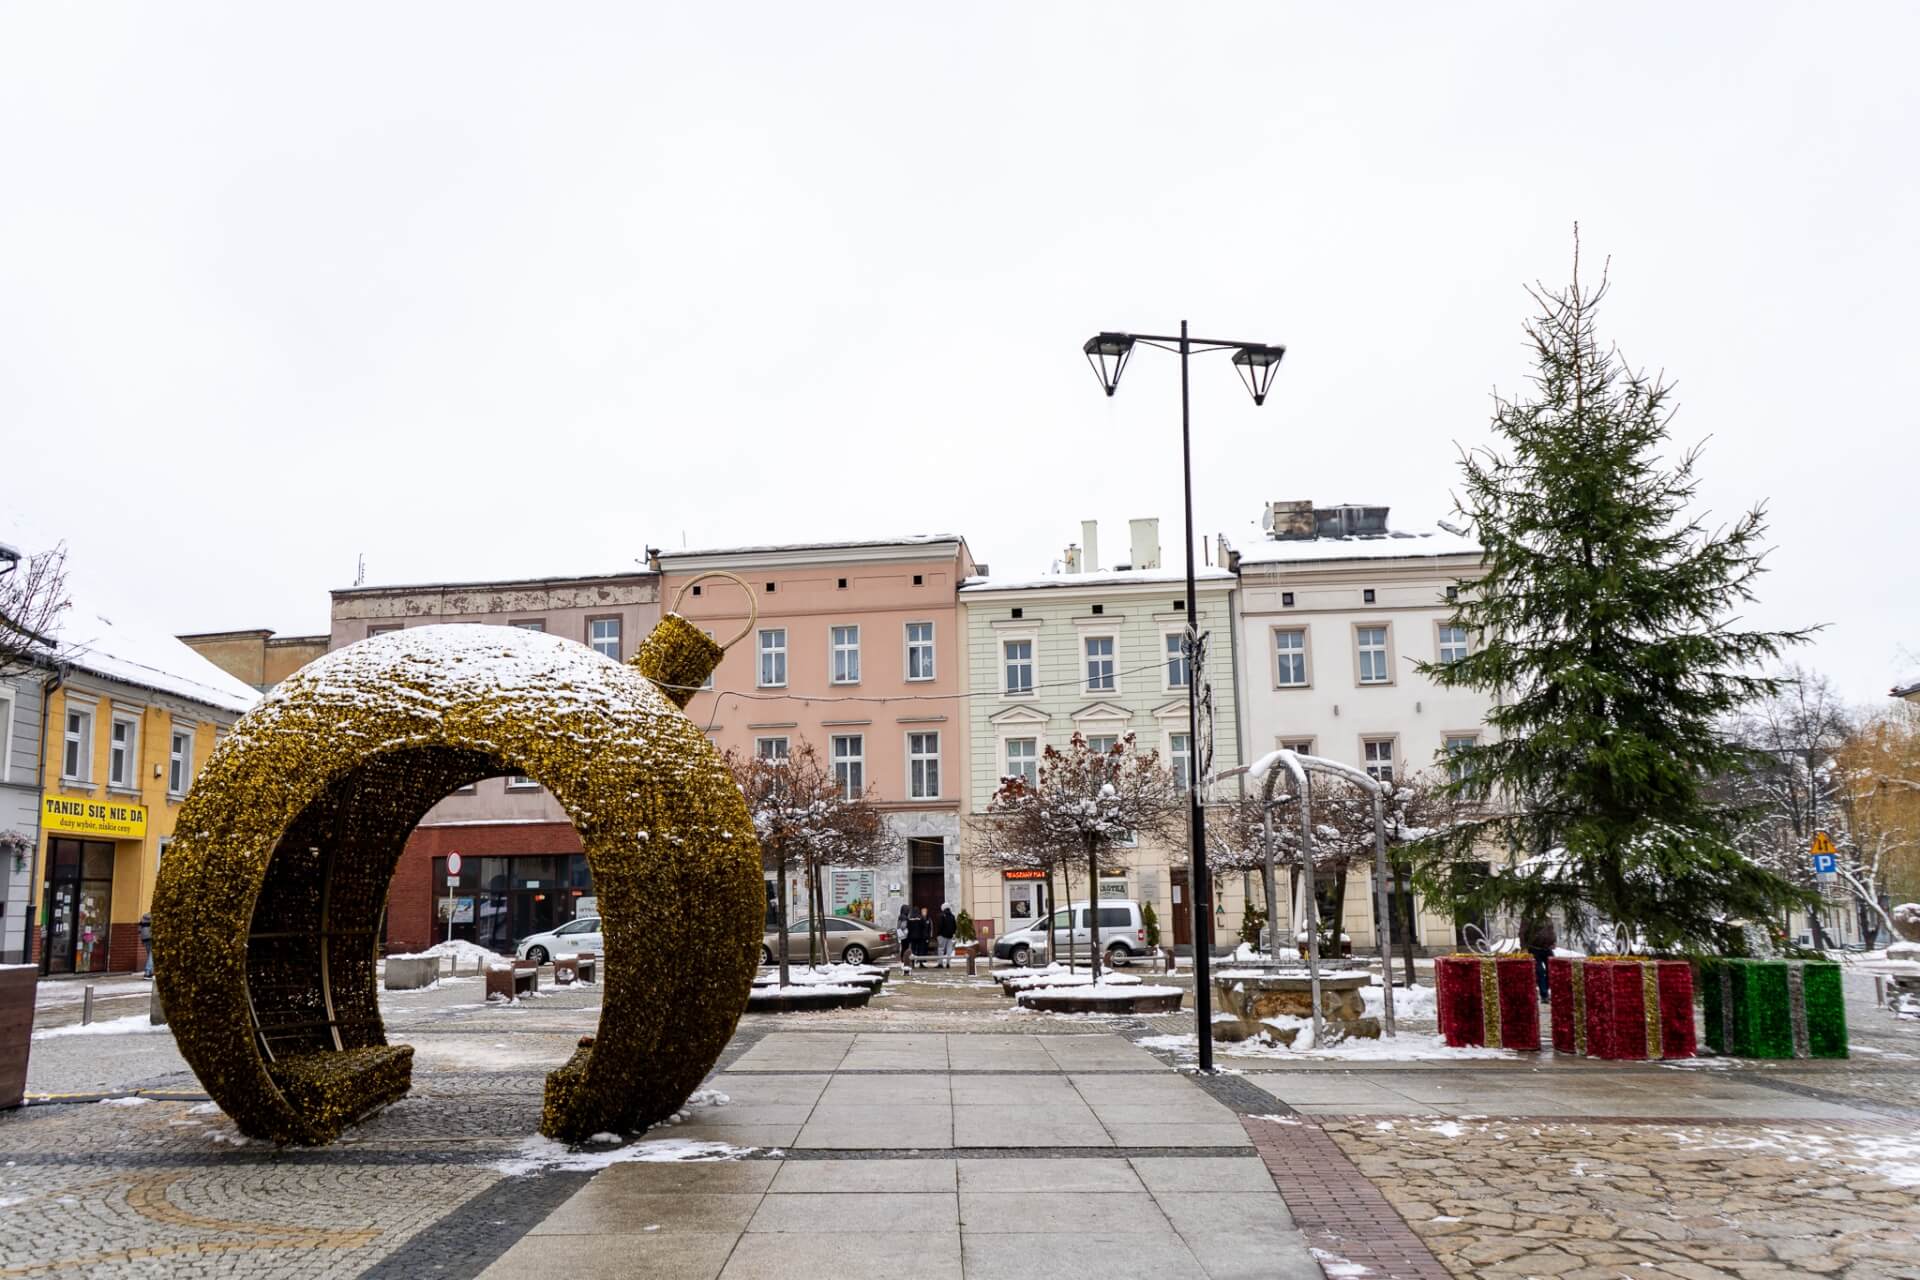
(1488, 1000)
(1622, 1008)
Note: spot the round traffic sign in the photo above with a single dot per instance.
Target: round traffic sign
(453, 864)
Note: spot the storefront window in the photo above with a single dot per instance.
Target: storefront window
(495, 902)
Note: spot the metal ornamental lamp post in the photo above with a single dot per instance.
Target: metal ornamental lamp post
(1256, 363)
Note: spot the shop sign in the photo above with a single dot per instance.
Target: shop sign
(850, 892)
(1023, 874)
(456, 910)
(118, 819)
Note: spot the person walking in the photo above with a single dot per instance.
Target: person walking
(916, 939)
(949, 926)
(146, 940)
(1538, 936)
(902, 932)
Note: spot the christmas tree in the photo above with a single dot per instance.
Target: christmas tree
(1606, 640)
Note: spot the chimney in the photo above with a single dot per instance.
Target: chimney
(1090, 539)
(1146, 542)
(1288, 521)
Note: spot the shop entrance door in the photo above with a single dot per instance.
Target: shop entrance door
(79, 898)
(927, 863)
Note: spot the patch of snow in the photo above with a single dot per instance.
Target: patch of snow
(131, 1024)
(1102, 992)
(1408, 1002)
(802, 988)
(131, 1100)
(1446, 1128)
(118, 646)
(536, 1154)
(1337, 1267)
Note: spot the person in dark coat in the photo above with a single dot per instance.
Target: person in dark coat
(1538, 936)
(918, 930)
(948, 927)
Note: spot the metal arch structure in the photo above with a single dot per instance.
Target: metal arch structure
(1300, 768)
(268, 907)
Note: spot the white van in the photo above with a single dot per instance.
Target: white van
(1123, 935)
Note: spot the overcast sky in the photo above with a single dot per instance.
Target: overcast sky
(498, 290)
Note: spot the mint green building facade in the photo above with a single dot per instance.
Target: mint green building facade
(1093, 653)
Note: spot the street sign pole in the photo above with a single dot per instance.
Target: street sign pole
(453, 879)
(1826, 865)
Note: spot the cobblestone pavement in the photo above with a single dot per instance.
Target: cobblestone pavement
(1518, 1167)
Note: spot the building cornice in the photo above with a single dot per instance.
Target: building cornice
(679, 562)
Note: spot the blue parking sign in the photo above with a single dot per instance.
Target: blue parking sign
(1825, 864)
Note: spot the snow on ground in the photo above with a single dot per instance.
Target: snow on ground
(803, 988)
(1338, 1267)
(465, 952)
(534, 1155)
(131, 1100)
(1406, 1047)
(1081, 979)
(1895, 1157)
(1102, 992)
(131, 1023)
(1408, 1003)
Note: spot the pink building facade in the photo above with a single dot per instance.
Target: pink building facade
(858, 650)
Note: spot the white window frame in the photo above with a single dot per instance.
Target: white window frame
(761, 745)
(1179, 762)
(130, 778)
(521, 782)
(925, 647)
(619, 636)
(530, 624)
(1172, 656)
(843, 653)
(1455, 769)
(1392, 743)
(1440, 645)
(849, 770)
(763, 650)
(1300, 746)
(1031, 663)
(923, 764)
(76, 743)
(708, 682)
(1028, 768)
(1361, 649)
(1091, 738)
(179, 759)
(1306, 657)
(6, 733)
(1112, 686)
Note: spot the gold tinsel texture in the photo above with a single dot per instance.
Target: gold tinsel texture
(267, 912)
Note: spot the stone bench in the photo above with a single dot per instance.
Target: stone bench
(512, 980)
(410, 973)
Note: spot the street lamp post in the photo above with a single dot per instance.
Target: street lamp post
(1256, 363)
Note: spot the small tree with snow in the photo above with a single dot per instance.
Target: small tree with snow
(806, 818)
(1089, 807)
(33, 595)
(1608, 649)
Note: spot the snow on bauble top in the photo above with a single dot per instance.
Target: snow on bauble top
(423, 671)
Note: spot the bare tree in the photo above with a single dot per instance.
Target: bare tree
(805, 817)
(1792, 786)
(1007, 843)
(33, 595)
(1090, 806)
(1880, 771)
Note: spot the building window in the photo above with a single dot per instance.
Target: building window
(1179, 758)
(1377, 754)
(1101, 743)
(923, 766)
(531, 624)
(1299, 746)
(603, 637)
(74, 765)
(1177, 670)
(849, 764)
(179, 762)
(708, 682)
(122, 753)
(521, 782)
(1372, 647)
(1019, 655)
(773, 658)
(1366, 596)
(919, 651)
(1023, 760)
(1453, 643)
(6, 732)
(1290, 659)
(383, 628)
(1286, 599)
(770, 748)
(1457, 769)
(844, 642)
(1100, 673)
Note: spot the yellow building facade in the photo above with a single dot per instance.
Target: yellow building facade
(124, 739)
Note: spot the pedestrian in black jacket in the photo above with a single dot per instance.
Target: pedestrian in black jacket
(918, 931)
(948, 928)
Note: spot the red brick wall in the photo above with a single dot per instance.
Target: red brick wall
(410, 900)
(123, 948)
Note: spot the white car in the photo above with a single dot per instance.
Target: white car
(572, 937)
(1123, 934)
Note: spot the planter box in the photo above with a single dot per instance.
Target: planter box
(17, 984)
(410, 973)
(1488, 1000)
(1774, 1008)
(1622, 1009)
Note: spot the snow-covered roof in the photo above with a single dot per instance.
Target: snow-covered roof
(115, 647)
(1908, 687)
(905, 540)
(1209, 574)
(1396, 544)
(10, 552)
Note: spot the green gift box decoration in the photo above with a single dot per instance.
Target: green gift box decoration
(1774, 1008)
